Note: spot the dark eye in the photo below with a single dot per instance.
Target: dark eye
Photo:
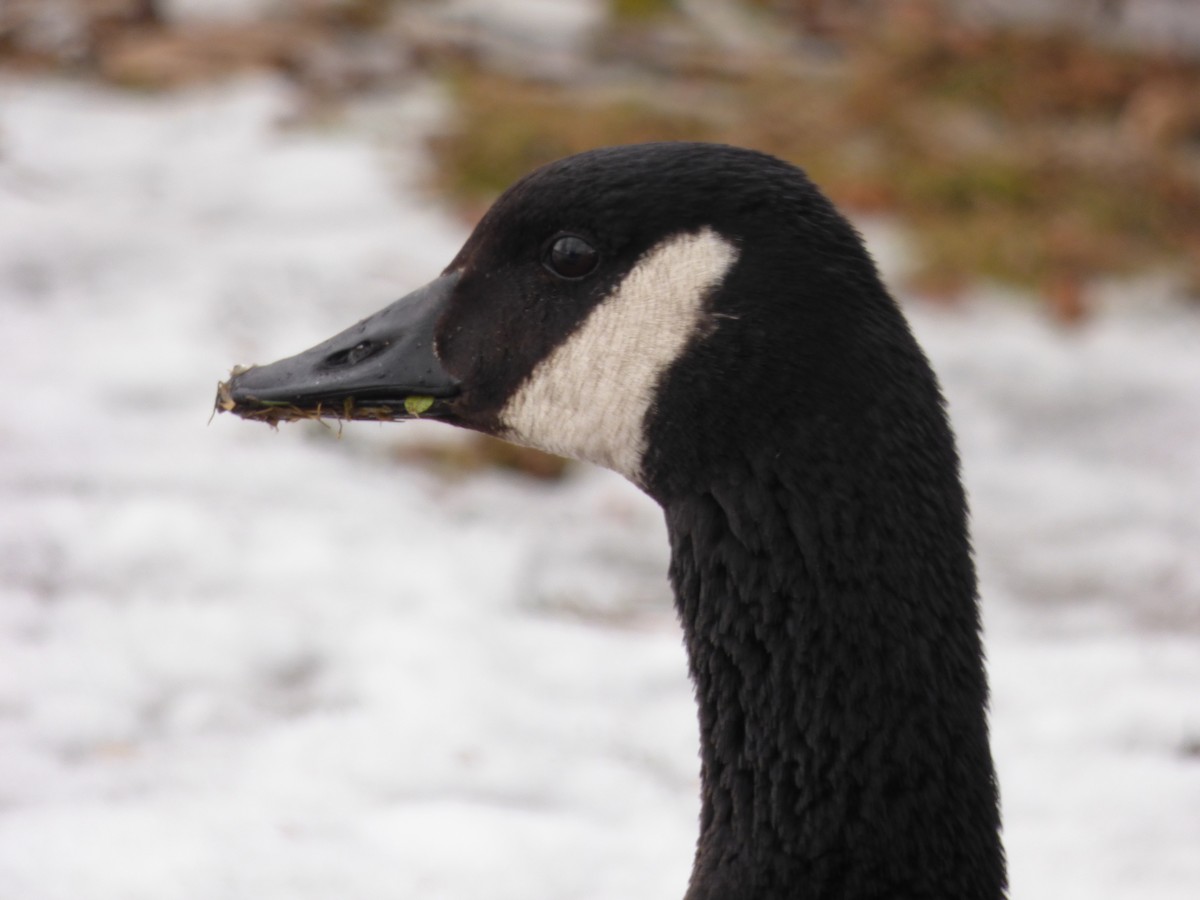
(571, 257)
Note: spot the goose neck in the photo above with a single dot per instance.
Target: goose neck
(833, 641)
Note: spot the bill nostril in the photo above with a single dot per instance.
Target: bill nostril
(354, 355)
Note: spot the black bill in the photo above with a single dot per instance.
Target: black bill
(383, 368)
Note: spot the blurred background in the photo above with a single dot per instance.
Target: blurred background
(389, 661)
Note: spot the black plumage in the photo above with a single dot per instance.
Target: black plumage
(800, 449)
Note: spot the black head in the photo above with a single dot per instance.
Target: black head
(646, 307)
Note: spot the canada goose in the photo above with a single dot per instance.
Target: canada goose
(702, 320)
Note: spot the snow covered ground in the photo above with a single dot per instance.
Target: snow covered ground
(239, 663)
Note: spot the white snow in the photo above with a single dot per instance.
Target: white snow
(245, 664)
(184, 11)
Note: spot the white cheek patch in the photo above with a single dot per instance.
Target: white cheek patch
(589, 398)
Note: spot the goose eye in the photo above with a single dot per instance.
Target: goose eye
(571, 257)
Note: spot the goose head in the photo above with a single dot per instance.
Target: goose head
(648, 308)
(700, 319)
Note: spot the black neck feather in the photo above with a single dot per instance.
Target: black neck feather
(831, 623)
(824, 580)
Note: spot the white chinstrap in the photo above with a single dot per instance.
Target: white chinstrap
(589, 398)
